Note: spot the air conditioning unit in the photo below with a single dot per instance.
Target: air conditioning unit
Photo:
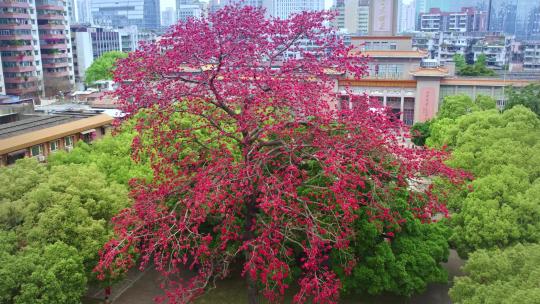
(41, 158)
(69, 148)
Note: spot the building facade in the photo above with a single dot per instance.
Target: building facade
(284, 8)
(353, 16)
(145, 14)
(168, 17)
(35, 47)
(40, 135)
(531, 56)
(412, 85)
(467, 20)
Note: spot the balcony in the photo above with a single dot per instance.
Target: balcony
(52, 36)
(20, 69)
(61, 46)
(18, 58)
(57, 55)
(21, 79)
(15, 26)
(56, 74)
(56, 65)
(16, 37)
(29, 90)
(14, 15)
(11, 3)
(52, 26)
(50, 17)
(17, 48)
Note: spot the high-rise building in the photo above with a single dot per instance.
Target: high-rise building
(55, 46)
(19, 47)
(353, 16)
(168, 17)
(407, 16)
(513, 17)
(84, 11)
(284, 8)
(467, 20)
(145, 14)
(186, 9)
(35, 47)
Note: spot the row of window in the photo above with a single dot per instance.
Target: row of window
(53, 146)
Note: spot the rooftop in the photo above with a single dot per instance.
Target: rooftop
(32, 123)
(51, 132)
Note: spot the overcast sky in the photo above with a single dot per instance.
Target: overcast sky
(172, 3)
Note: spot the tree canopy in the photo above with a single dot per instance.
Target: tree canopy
(102, 68)
(252, 164)
(500, 276)
(502, 151)
(479, 68)
(54, 218)
(528, 96)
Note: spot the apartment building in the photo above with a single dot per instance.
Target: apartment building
(467, 20)
(35, 47)
(531, 56)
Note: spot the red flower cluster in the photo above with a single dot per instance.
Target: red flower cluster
(253, 160)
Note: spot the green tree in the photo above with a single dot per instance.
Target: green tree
(528, 96)
(111, 155)
(500, 276)
(502, 150)
(455, 106)
(420, 131)
(102, 68)
(50, 274)
(403, 264)
(479, 68)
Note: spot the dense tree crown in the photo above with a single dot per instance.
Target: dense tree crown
(479, 68)
(54, 218)
(495, 276)
(102, 68)
(253, 162)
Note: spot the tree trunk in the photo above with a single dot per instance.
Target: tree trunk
(253, 292)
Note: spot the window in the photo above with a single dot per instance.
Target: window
(54, 145)
(36, 150)
(68, 141)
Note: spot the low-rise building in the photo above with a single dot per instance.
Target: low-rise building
(531, 56)
(411, 84)
(40, 135)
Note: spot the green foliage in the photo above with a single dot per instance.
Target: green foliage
(528, 96)
(55, 218)
(502, 150)
(53, 273)
(111, 155)
(102, 68)
(404, 264)
(455, 106)
(500, 276)
(479, 68)
(420, 131)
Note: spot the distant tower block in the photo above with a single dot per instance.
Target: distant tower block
(383, 17)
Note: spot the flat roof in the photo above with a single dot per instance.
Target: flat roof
(381, 37)
(393, 54)
(403, 83)
(32, 123)
(32, 138)
(486, 81)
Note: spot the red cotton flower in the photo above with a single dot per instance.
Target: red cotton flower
(254, 161)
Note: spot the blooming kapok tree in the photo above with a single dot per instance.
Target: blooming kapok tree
(253, 162)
